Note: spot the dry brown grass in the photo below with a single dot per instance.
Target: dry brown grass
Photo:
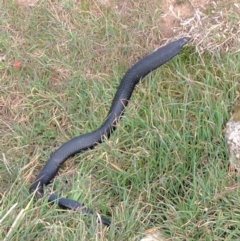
(213, 25)
(95, 41)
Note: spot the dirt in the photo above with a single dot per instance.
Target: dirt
(175, 12)
(212, 25)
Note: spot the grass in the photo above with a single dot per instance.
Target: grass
(165, 168)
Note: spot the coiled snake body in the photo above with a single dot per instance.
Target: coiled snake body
(86, 141)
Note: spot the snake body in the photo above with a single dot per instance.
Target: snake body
(89, 140)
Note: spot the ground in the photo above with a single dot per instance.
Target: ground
(209, 23)
(163, 175)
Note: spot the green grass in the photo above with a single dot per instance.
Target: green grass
(166, 165)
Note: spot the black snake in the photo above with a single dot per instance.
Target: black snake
(87, 141)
